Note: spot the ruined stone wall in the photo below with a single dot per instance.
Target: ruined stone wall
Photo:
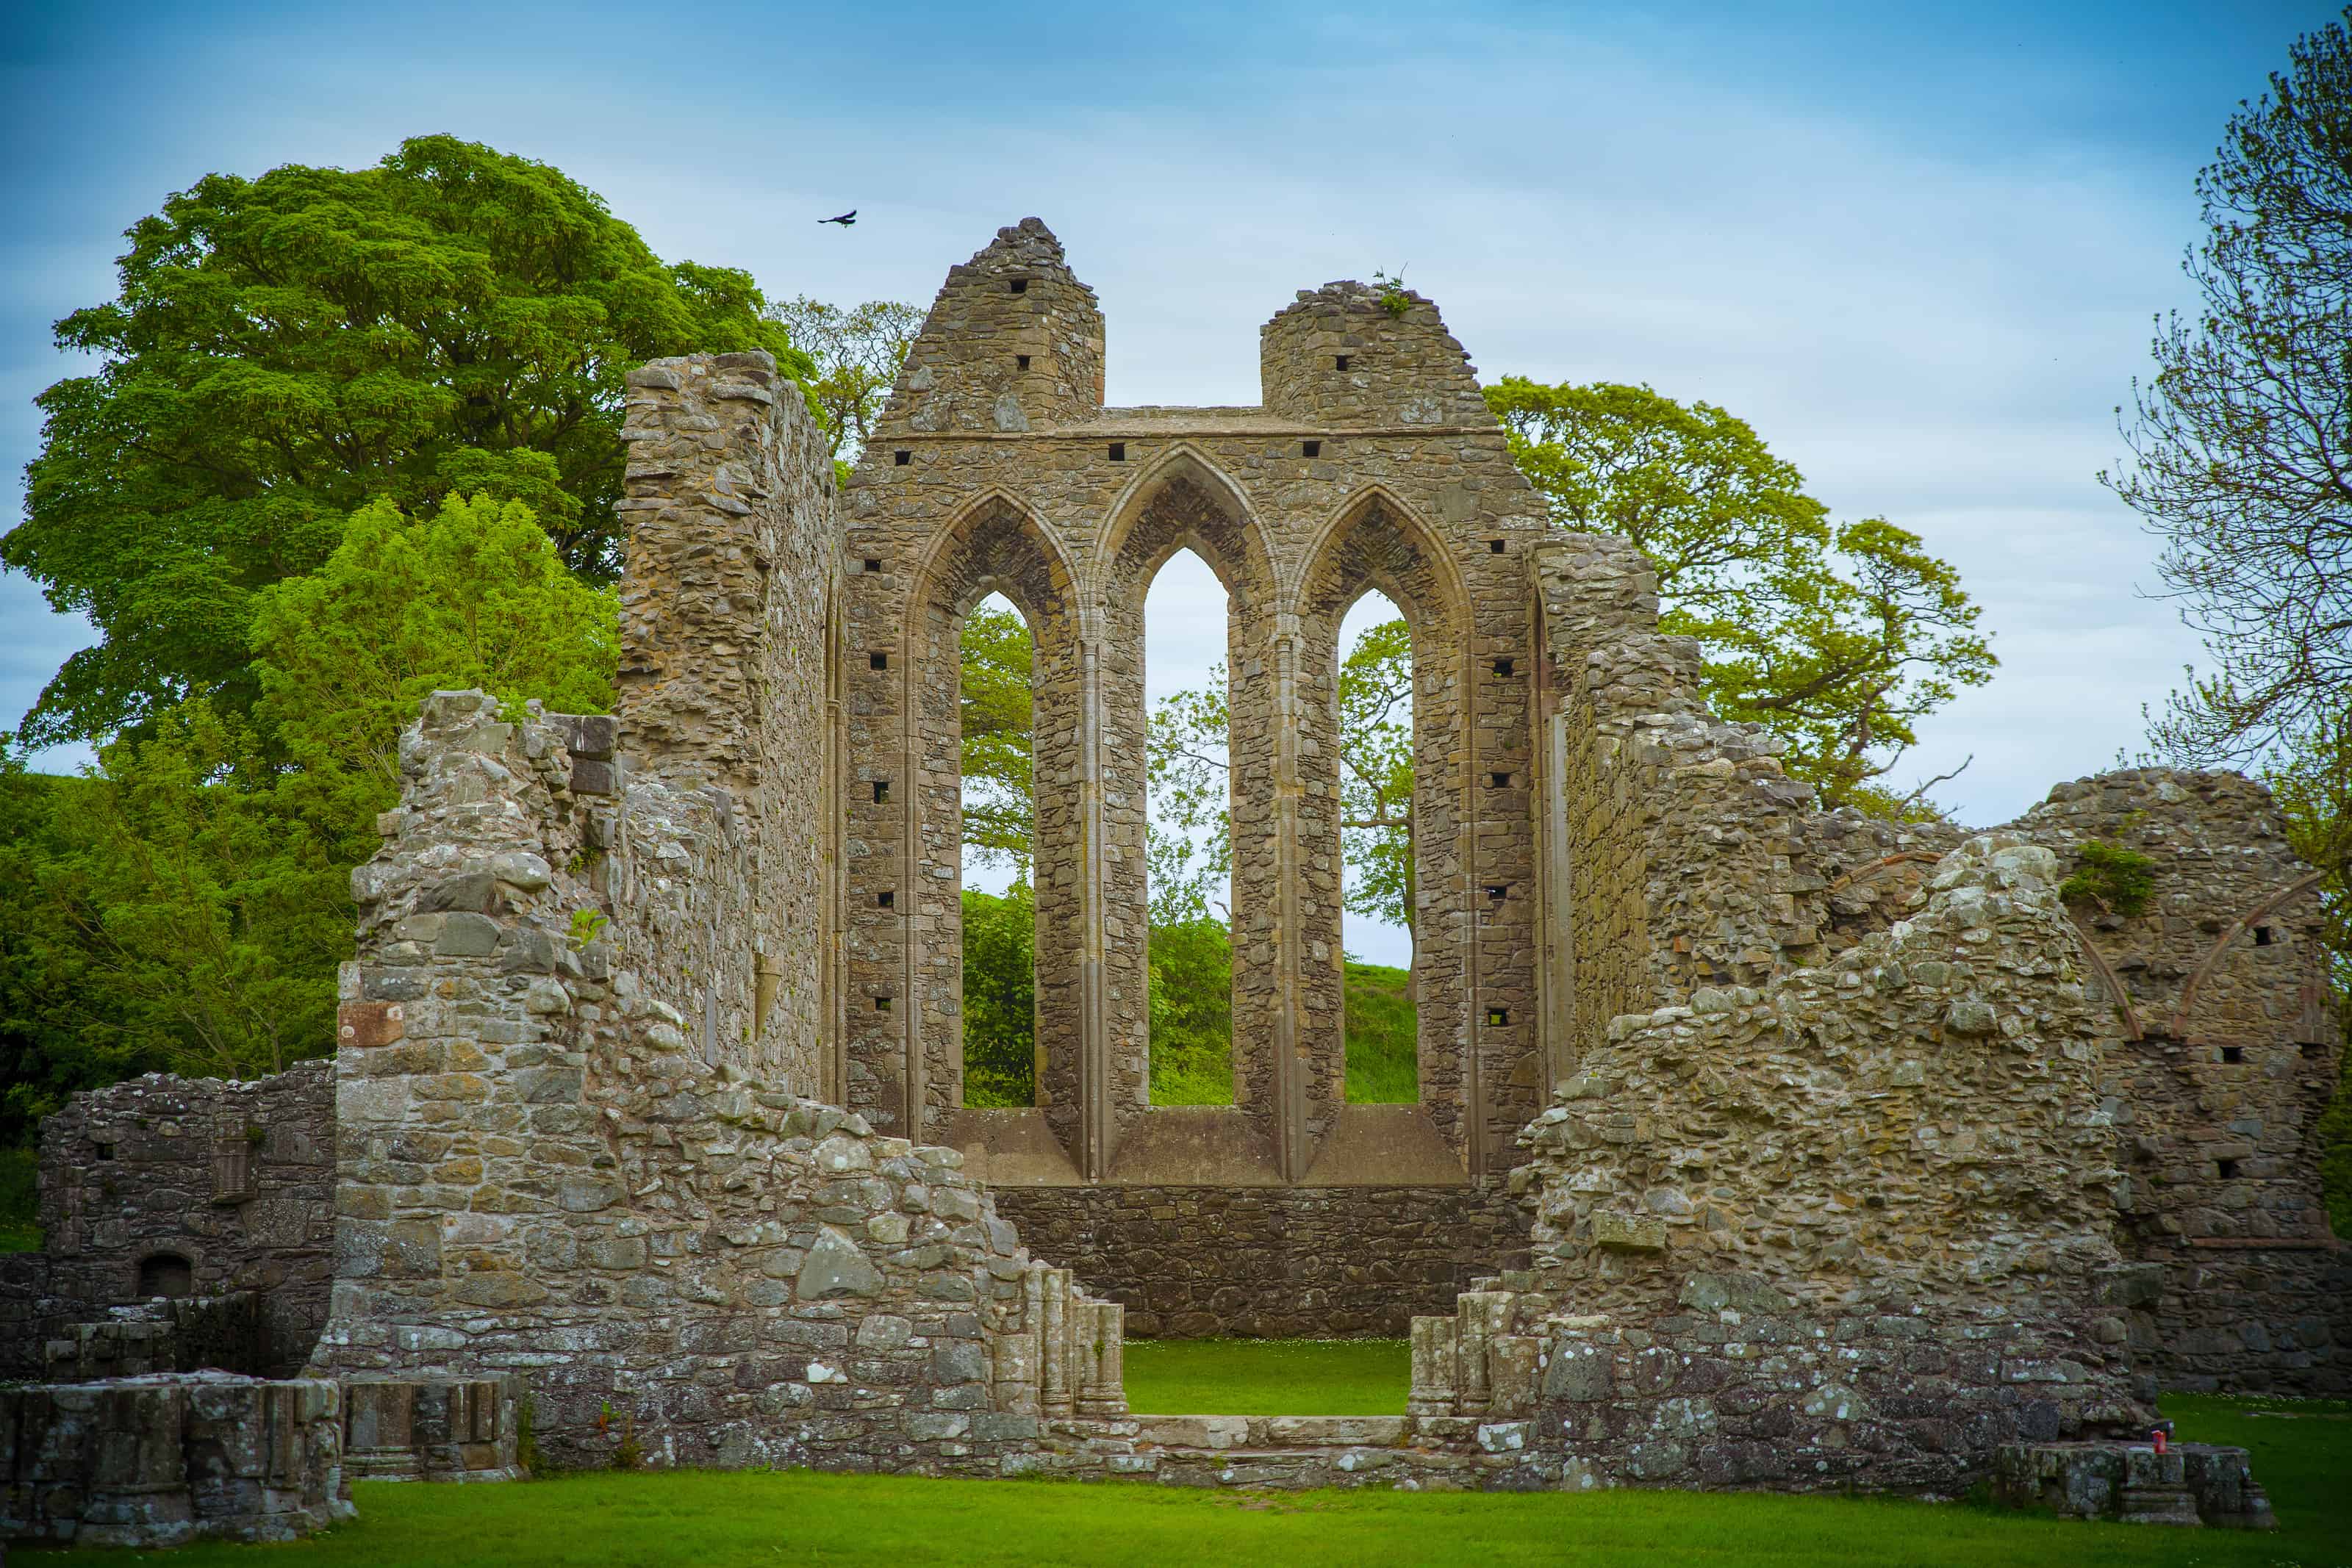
(1386, 472)
(232, 1179)
(589, 977)
(1334, 1263)
(1679, 854)
(2221, 1054)
(733, 558)
(1853, 1226)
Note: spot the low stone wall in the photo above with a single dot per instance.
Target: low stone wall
(432, 1429)
(162, 1460)
(1271, 1262)
(2188, 1483)
(220, 1334)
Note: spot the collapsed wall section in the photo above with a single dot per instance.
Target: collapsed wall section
(1677, 852)
(1851, 1228)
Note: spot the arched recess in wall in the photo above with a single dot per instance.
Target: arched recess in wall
(1375, 543)
(1183, 502)
(996, 547)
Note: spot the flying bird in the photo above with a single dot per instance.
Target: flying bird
(845, 219)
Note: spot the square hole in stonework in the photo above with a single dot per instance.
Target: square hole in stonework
(2228, 1169)
(2234, 1053)
(885, 899)
(1020, 286)
(877, 661)
(1494, 547)
(902, 457)
(106, 1151)
(1020, 361)
(1504, 666)
(1499, 780)
(1311, 449)
(873, 564)
(881, 791)
(1118, 451)
(881, 1004)
(1340, 360)
(2263, 936)
(1497, 892)
(1497, 1017)
(2312, 1051)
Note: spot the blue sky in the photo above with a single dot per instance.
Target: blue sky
(1917, 247)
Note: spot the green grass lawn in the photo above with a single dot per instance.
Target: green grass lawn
(1268, 1378)
(1382, 1060)
(714, 1519)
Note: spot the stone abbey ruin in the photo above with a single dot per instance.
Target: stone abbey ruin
(1755, 1147)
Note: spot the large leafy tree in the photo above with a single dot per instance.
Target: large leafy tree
(185, 908)
(999, 779)
(2237, 464)
(285, 348)
(1839, 640)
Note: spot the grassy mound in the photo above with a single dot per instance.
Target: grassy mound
(1383, 1065)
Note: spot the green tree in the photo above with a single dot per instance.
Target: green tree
(473, 595)
(185, 906)
(857, 353)
(999, 777)
(2237, 465)
(999, 998)
(285, 348)
(199, 918)
(1837, 640)
(1376, 817)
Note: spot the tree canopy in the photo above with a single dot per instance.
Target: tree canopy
(184, 907)
(857, 353)
(1837, 639)
(2238, 445)
(999, 810)
(284, 349)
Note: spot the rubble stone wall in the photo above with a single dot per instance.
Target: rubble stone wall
(1849, 1227)
(1678, 854)
(193, 1189)
(727, 607)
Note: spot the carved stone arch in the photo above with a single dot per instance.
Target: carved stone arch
(1373, 541)
(996, 544)
(1183, 500)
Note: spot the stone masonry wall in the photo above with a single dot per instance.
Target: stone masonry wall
(538, 1172)
(2221, 1054)
(232, 1179)
(726, 637)
(1677, 853)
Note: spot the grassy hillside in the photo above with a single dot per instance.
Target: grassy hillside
(1382, 1066)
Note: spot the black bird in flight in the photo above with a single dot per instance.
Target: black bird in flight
(845, 219)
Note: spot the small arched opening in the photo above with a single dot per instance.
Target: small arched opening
(167, 1274)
